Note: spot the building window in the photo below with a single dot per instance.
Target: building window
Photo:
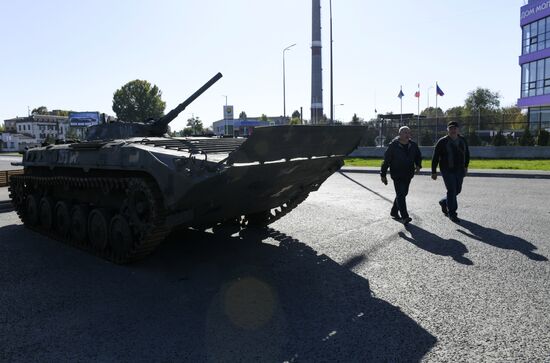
(535, 78)
(536, 36)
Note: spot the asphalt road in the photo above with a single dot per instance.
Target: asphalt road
(335, 280)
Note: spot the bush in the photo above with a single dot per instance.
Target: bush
(499, 139)
(543, 137)
(427, 139)
(472, 138)
(526, 139)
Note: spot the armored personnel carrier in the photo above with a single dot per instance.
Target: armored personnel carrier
(123, 190)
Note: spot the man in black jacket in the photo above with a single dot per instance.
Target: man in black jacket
(403, 157)
(453, 156)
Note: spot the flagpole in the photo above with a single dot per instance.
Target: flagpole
(436, 113)
(418, 114)
(401, 98)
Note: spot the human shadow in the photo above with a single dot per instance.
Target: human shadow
(259, 295)
(499, 239)
(434, 244)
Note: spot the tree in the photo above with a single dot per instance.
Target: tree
(482, 99)
(195, 124)
(242, 115)
(296, 114)
(499, 139)
(295, 121)
(356, 120)
(427, 138)
(457, 111)
(42, 110)
(59, 112)
(513, 118)
(473, 138)
(526, 139)
(138, 100)
(264, 118)
(543, 137)
(431, 112)
(2, 128)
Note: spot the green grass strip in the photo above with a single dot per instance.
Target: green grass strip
(515, 164)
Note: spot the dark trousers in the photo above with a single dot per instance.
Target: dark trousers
(400, 203)
(453, 182)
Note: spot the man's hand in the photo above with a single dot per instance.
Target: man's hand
(465, 171)
(384, 180)
(417, 170)
(434, 176)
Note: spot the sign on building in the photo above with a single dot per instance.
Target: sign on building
(83, 119)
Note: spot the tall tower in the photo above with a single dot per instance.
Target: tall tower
(316, 65)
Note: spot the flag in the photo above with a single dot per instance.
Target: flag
(417, 94)
(401, 94)
(438, 90)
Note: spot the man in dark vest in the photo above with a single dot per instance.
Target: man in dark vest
(452, 155)
(404, 159)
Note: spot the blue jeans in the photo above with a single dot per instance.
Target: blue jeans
(400, 203)
(453, 182)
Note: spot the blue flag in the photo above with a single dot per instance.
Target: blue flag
(401, 94)
(438, 90)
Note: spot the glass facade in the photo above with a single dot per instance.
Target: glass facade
(539, 117)
(535, 78)
(536, 36)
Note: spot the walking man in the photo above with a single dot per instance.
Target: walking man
(403, 157)
(452, 155)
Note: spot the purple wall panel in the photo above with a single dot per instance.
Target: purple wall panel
(535, 10)
(534, 101)
(541, 54)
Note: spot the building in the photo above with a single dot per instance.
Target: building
(16, 142)
(39, 127)
(244, 127)
(36, 129)
(535, 62)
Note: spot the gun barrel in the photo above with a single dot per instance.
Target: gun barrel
(166, 119)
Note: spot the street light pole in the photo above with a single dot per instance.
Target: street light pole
(284, 91)
(331, 83)
(225, 118)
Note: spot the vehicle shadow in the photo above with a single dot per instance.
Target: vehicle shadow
(259, 295)
(434, 244)
(500, 239)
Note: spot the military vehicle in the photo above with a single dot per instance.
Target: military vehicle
(119, 193)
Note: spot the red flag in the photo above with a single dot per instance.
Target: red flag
(417, 94)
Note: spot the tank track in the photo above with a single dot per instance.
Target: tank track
(143, 236)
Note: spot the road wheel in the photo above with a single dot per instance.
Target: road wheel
(98, 228)
(79, 224)
(31, 210)
(62, 219)
(120, 236)
(45, 209)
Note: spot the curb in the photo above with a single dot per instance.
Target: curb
(476, 173)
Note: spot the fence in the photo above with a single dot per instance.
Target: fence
(6, 174)
(481, 128)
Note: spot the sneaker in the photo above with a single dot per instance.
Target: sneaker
(395, 215)
(444, 208)
(406, 220)
(454, 219)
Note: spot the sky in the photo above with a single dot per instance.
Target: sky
(73, 55)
